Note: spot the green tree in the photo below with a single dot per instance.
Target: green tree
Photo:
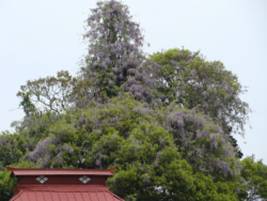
(6, 185)
(255, 176)
(11, 149)
(49, 94)
(191, 81)
(207, 86)
(128, 137)
(164, 124)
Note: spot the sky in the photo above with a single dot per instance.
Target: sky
(39, 38)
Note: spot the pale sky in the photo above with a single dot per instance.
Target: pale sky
(38, 38)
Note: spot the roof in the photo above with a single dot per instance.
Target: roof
(62, 184)
(57, 172)
(62, 192)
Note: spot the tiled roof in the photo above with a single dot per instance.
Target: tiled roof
(65, 193)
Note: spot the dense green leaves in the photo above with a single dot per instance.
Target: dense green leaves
(164, 123)
(255, 176)
(12, 148)
(207, 86)
(129, 137)
(164, 154)
(6, 185)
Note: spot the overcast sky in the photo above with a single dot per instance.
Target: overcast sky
(38, 38)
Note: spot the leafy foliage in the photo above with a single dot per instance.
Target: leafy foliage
(11, 149)
(144, 83)
(163, 123)
(202, 142)
(255, 175)
(192, 81)
(115, 42)
(52, 93)
(126, 136)
(6, 185)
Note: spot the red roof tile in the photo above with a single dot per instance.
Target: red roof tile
(65, 193)
(62, 185)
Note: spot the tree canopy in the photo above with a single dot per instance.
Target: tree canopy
(115, 42)
(164, 123)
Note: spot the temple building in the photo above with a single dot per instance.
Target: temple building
(62, 185)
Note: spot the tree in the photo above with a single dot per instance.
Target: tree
(206, 86)
(50, 94)
(11, 149)
(128, 137)
(163, 123)
(255, 176)
(115, 43)
(145, 82)
(202, 142)
(191, 81)
(6, 185)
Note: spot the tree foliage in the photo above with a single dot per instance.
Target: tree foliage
(128, 137)
(6, 185)
(255, 176)
(207, 86)
(12, 148)
(115, 43)
(49, 94)
(164, 123)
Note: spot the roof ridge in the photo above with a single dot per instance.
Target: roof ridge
(59, 169)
